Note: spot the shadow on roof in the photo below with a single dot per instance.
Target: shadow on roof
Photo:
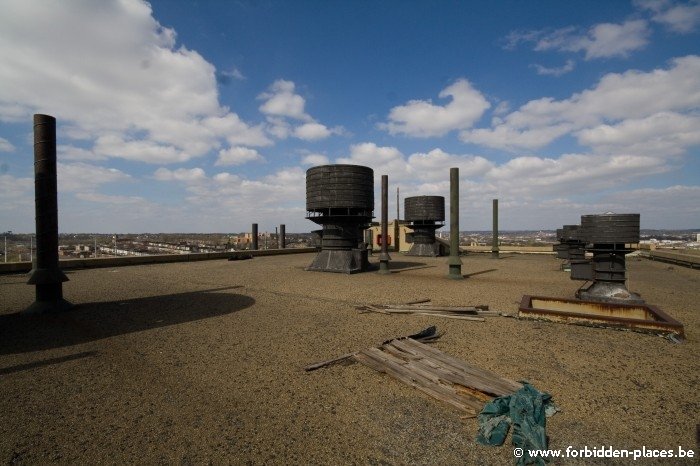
(94, 321)
(400, 265)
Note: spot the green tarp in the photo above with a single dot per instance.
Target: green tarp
(526, 410)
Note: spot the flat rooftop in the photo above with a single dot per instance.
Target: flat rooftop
(203, 362)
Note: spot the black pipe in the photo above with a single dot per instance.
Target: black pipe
(384, 256)
(46, 274)
(454, 262)
(281, 239)
(254, 234)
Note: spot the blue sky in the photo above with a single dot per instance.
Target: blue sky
(203, 116)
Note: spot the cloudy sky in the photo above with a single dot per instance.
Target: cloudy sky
(186, 116)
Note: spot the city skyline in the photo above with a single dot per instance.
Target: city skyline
(180, 116)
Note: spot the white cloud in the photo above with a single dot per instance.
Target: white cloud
(237, 156)
(191, 175)
(679, 18)
(6, 146)
(225, 77)
(617, 97)
(315, 159)
(554, 71)
(124, 79)
(662, 133)
(68, 152)
(604, 40)
(283, 104)
(12, 188)
(109, 199)
(312, 131)
(112, 145)
(434, 165)
(83, 177)
(572, 173)
(282, 101)
(421, 118)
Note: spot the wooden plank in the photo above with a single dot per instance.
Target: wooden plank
(498, 385)
(459, 375)
(415, 380)
(339, 359)
(400, 307)
(448, 316)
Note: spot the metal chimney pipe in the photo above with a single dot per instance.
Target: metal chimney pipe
(281, 240)
(454, 262)
(384, 256)
(254, 234)
(46, 274)
(494, 244)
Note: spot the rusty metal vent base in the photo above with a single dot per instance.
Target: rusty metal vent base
(341, 261)
(643, 318)
(424, 250)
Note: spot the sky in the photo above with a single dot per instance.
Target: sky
(203, 116)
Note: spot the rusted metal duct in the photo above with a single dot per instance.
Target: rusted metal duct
(46, 275)
(608, 237)
(425, 214)
(340, 198)
(454, 262)
(254, 234)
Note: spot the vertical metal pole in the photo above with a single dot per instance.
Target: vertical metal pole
(46, 275)
(494, 244)
(5, 255)
(384, 256)
(31, 248)
(254, 234)
(95, 245)
(397, 228)
(398, 214)
(454, 262)
(282, 242)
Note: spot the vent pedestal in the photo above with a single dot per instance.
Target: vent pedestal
(340, 198)
(425, 214)
(607, 237)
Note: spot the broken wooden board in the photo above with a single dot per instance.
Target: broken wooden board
(429, 370)
(472, 313)
(437, 374)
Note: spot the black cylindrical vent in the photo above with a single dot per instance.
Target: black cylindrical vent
(431, 208)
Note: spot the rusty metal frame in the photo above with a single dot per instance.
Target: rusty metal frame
(664, 324)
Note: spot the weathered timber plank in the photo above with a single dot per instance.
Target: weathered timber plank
(416, 380)
(501, 385)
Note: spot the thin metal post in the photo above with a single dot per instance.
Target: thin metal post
(454, 262)
(5, 255)
(384, 256)
(46, 275)
(494, 244)
(281, 238)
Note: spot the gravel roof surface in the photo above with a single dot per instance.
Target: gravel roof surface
(203, 362)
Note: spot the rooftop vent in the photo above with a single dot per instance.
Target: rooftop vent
(340, 198)
(425, 214)
(571, 247)
(608, 237)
